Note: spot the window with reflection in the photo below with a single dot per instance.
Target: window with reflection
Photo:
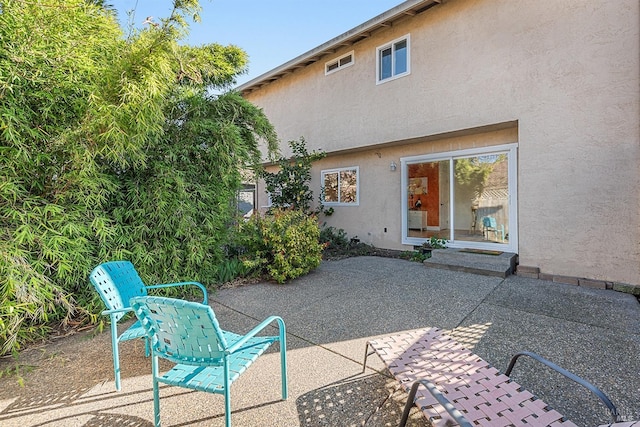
(340, 186)
(393, 59)
(463, 198)
(481, 189)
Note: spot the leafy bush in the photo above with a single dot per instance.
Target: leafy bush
(23, 317)
(337, 245)
(285, 243)
(417, 256)
(333, 238)
(289, 186)
(233, 268)
(435, 243)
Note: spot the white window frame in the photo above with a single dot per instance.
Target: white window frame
(338, 170)
(391, 45)
(269, 202)
(336, 61)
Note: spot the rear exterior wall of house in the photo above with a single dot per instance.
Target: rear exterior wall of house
(559, 79)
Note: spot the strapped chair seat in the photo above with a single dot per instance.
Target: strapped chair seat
(117, 282)
(211, 378)
(207, 357)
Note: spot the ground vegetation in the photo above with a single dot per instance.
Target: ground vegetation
(114, 144)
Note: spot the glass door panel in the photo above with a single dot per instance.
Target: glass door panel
(428, 199)
(481, 198)
(466, 197)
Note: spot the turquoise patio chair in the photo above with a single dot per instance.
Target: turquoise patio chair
(489, 224)
(117, 282)
(207, 358)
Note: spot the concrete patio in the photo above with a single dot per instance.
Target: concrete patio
(330, 314)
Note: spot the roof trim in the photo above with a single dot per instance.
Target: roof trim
(351, 37)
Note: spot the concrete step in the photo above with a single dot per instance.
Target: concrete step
(487, 263)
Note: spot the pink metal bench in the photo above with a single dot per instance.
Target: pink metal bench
(463, 389)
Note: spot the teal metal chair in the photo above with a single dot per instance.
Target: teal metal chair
(489, 224)
(117, 282)
(207, 358)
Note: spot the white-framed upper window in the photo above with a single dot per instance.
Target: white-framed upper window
(339, 63)
(341, 186)
(393, 60)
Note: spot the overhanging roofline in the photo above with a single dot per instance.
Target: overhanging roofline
(475, 130)
(361, 32)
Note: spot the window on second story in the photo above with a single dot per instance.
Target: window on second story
(341, 186)
(339, 63)
(393, 60)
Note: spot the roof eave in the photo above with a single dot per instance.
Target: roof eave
(362, 31)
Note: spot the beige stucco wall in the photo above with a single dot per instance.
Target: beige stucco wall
(567, 72)
(380, 187)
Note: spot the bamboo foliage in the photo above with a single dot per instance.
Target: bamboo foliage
(111, 147)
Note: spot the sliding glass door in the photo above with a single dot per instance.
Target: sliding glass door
(466, 197)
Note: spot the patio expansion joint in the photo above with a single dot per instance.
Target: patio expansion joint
(563, 319)
(471, 312)
(289, 333)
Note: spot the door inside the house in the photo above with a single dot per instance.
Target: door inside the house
(463, 199)
(425, 198)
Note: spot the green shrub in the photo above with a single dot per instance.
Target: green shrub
(289, 186)
(435, 243)
(285, 244)
(417, 256)
(334, 238)
(236, 267)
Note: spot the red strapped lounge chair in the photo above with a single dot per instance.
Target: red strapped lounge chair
(460, 388)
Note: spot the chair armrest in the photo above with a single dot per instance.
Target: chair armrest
(238, 344)
(613, 411)
(118, 310)
(205, 297)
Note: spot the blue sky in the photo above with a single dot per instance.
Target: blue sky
(272, 32)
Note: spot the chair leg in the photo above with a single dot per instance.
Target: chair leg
(156, 391)
(114, 349)
(283, 360)
(283, 373)
(227, 395)
(409, 404)
(366, 355)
